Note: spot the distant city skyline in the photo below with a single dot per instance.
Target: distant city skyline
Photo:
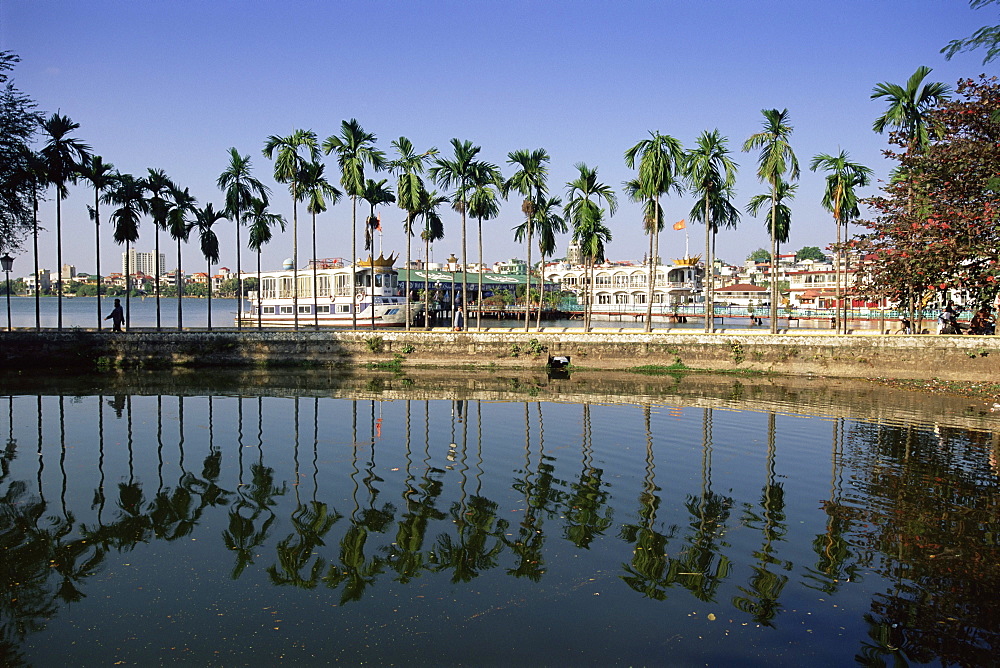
(596, 79)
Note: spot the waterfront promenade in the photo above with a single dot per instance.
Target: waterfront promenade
(791, 352)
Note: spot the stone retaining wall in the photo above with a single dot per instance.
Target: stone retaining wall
(972, 358)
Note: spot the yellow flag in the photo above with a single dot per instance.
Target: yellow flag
(679, 225)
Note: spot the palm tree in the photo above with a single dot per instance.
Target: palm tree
(355, 148)
(909, 115)
(839, 198)
(101, 177)
(128, 195)
(783, 221)
(547, 223)
(409, 166)
(457, 172)
(586, 216)
(314, 188)
(909, 108)
(712, 175)
(652, 212)
(36, 174)
(375, 193)
(661, 166)
(590, 233)
(433, 230)
(240, 188)
(776, 159)
(62, 155)
(158, 184)
(260, 222)
(484, 204)
(204, 219)
(182, 206)
(287, 169)
(529, 182)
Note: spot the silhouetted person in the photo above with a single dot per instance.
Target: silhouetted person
(117, 316)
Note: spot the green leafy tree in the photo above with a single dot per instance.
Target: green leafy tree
(182, 206)
(433, 230)
(62, 155)
(128, 194)
(810, 253)
(205, 219)
(260, 222)
(408, 166)
(355, 148)
(19, 179)
(158, 185)
(661, 168)
(529, 181)
(316, 190)
(288, 165)
(947, 238)
(987, 37)
(759, 255)
(775, 161)
(484, 204)
(547, 223)
(101, 176)
(584, 196)
(376, 193)
(240, 187)
(457, 172)
(840, 199)
(712, 175)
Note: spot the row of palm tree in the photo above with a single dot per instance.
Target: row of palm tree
(474, 188)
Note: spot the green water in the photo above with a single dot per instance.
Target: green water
(457, 519)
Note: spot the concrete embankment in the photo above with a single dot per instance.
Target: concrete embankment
(970, 358)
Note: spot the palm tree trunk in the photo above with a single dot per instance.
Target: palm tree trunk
(34, 235)
(479, 295)
(774, 260)
(541, 291)
(59, 282)
(260, 323)
(427, 280)
(179, 284)
(315, 281)
(97, 246)
(465, 263)
(709, 274)
(156, 275)
(354, 254)
(409, 233)
(128, 289)
(210, 297)
(652, 266)
(295, 255)
(527, 284)
(239, 276)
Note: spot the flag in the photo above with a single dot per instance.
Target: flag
(679, 225)
(378, 225)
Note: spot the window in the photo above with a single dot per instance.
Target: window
(602, 279)
(285, 286)
(343, 308)
(604, 299)
(267, 309)
(305, 309)
(285, 309)
(323, 308)
(621, 299)
(268, 286)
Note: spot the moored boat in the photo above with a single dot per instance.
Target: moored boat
(367, 292)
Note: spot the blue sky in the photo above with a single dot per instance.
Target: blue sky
(173, 85)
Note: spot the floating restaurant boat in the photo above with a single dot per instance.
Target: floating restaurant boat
(367, 292)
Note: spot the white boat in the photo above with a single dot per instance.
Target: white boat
(367, 292)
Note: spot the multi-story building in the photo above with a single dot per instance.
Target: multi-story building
(143, 263)
(625, 287)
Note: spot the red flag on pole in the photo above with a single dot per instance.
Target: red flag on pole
(679, 225)
(379, 225)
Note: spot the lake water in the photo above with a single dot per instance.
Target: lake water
(463, 519)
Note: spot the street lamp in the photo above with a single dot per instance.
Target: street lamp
(8, 263)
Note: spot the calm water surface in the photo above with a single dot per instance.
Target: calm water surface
(421, 521)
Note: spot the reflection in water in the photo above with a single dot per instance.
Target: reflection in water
(497, 512)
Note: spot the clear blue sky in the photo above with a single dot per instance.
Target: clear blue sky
(173, 85)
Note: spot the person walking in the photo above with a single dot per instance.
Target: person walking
(117, 316)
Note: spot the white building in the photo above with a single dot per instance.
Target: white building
(143, 263)
(624, 288)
